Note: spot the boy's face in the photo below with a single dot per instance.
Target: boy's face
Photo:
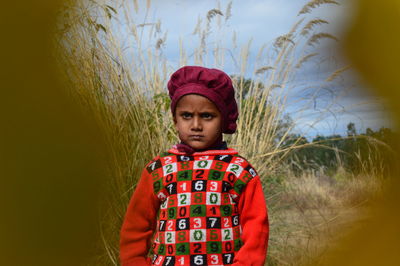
(198, 121)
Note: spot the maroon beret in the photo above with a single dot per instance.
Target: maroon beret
(210, 83)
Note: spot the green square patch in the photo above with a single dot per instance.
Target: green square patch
(226, 210)
(197, 210)
(171, 213)
(238, 244)
(214, 247)
(185, 175)
(239, 186)
(182, 249)
(215, 175)
(157, 185)
(161, 249)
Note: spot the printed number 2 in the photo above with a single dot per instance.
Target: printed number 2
(169, 168)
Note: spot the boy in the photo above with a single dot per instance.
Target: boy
(200, 203)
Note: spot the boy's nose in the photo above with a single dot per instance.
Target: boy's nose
(196, 125)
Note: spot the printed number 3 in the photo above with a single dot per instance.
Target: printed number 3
(214, 259)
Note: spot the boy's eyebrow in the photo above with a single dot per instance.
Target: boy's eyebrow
(208, 112)
(202, 112)
(183, 111)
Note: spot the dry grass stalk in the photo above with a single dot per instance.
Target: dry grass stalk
(337, 73)
(314, 39)
(263, 69)
(213, 12)
(305, 59)
(283, 39)
(315, 3)
(311, 24)
(228, 12)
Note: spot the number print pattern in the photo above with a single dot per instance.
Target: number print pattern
(198, 222)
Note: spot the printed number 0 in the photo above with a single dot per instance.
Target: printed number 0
(198, 235)
(202, 164)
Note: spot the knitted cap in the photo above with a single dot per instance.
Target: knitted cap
(210, 83)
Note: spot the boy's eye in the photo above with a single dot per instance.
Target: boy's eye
(186, 115)
(207, 116)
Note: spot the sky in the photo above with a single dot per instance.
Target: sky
(338, 103)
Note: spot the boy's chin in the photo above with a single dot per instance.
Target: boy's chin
(198, 145)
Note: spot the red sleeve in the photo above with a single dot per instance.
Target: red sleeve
(255, 227)
(139, 224)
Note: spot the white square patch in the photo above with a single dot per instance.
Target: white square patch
(204, 164)
(197, 235)
(184, 199)
(170, 237)
(226, 234)
(164, 204)
(235, 168)
(213, 198)
(169, 169)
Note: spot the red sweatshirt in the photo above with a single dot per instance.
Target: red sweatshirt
(204, 209)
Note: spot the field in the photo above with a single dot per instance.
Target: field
(309, 208)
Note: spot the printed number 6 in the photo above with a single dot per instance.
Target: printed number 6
(198, 260)
(182, 224)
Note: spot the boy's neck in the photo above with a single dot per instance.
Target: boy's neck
(218, 145)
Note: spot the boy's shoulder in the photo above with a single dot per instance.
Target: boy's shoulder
(156, 162)
(248, 166)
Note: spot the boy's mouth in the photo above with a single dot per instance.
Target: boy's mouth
(196, 137)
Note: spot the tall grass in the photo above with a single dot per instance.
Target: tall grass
(124, 87)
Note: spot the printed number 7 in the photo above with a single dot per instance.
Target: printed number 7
(168, 260)
(228, 257)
